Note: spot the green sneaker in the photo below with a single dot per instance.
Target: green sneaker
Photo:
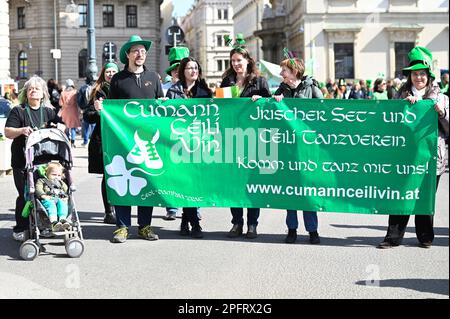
(120, 235)
(147, 233)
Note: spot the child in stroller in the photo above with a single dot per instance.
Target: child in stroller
(47, 154)
(52, 192)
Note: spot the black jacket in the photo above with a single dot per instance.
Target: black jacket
(258, 86)
(307, 89)
(126, 85)
(176, 91)
(95, 150)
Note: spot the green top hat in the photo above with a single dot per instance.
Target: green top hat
(419, 58)
(176, 54)
(134, 40)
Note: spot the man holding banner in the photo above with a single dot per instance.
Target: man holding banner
(135, 82)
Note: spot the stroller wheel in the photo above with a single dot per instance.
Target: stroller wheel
(29, 250)
(74, 247)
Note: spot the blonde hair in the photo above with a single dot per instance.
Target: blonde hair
(23, 98)
(294, 65)
(52, 167)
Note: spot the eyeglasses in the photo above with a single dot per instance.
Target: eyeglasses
(137, 51)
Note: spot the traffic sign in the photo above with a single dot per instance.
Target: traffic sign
(174, 35)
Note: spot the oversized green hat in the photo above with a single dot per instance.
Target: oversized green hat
(176, 54)
(419, 58)
(134, 40)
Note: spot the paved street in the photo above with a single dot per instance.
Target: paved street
(345, 265)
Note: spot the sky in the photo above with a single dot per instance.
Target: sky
(181, 7)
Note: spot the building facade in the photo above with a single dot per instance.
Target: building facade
(248, 15)
(38, 26)
(205, 26)
(4, 41)
(356, 39)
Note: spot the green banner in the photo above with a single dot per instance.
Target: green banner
(357, 156)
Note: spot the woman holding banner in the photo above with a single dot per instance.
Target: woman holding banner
(296, 85)
(190, 85)
(244, 76)
(99, 92)
(420, 85)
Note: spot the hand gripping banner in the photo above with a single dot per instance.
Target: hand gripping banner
(370, 157)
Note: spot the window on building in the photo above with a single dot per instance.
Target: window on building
(401, 56)
(108, 15)
(220, 39)
(222, 65)
(222, 14)
(83, 61)
(344, 67)
(21, 18)
(23, 65)
(131, 16)
(82, 15)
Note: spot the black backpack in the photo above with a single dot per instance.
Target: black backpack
(83, 96)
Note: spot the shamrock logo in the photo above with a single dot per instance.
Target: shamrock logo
(121, 179)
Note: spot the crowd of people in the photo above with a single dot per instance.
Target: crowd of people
(136, 81)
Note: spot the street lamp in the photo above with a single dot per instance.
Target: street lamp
(92, 66)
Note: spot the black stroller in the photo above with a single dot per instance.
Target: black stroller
(42, 147)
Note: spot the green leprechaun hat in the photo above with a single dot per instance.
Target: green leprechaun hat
(419, 58)
(134, 40)
(176, 54)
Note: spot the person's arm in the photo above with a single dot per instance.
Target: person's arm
(39, 188)
(442, 108)
(14, 126)
(159, 93)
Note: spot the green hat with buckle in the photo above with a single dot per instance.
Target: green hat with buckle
(419, 58)
(134, 40)
(176, 54)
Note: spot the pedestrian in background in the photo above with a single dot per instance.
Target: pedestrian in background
(70, 112)
(379, 90)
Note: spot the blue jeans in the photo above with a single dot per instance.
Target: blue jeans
(87, 131)
(123, 216)
(309, 218)
(71, 134)
(238, 216)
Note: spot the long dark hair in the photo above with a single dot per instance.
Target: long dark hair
(252, 70)
(100, 84)
(199, 83)
(377, 84)
(406, 88)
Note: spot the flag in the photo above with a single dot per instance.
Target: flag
(228, 92)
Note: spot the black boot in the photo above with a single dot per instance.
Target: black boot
(196, 231)
(110, 217)
(184, 229)
(291, 236)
